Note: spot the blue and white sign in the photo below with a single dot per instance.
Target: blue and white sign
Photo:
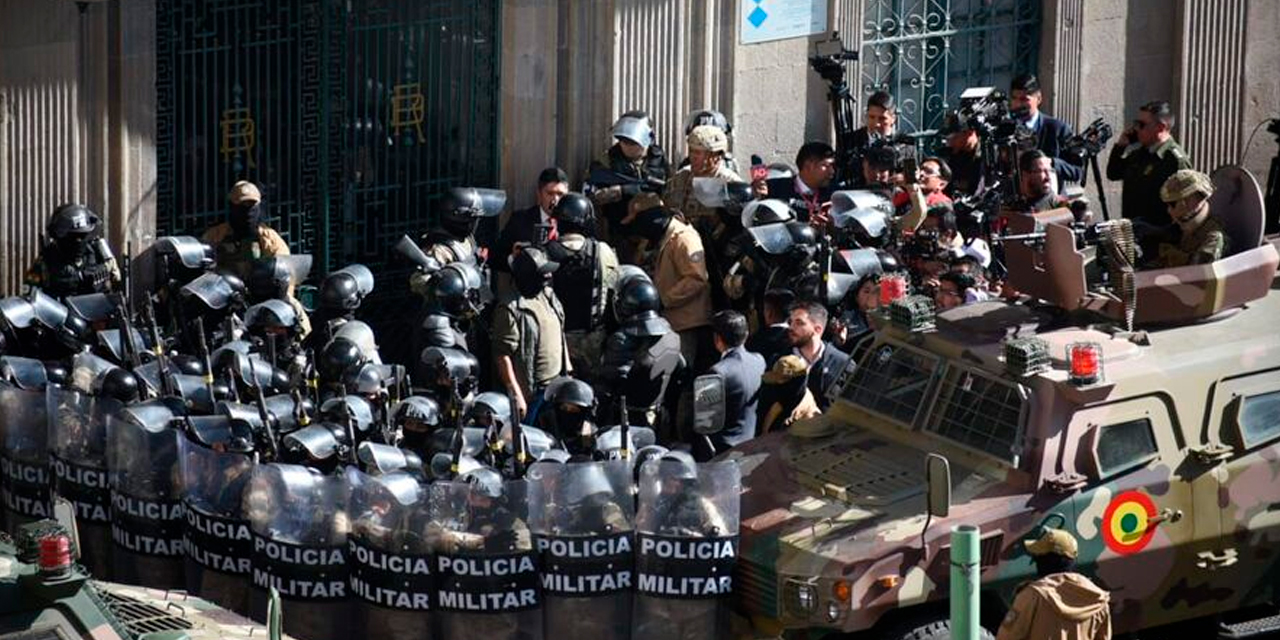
(765, 20)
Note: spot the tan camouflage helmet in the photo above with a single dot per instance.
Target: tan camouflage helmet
(1184, 183)
(1054, 541)
(708, 138)
(244, 191)
(644, 201)
(787, 367)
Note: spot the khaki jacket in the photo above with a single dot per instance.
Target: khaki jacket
(679, 194)
(775, 421)
(1060, 606)
(680, 274)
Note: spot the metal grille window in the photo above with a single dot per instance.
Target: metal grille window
(979, 412)
(925, 52)
(892, 381)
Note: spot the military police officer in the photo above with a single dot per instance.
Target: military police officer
(585, 280)
(74, 259)
(243, 238)
(1201, 237)
(634, 164)
(707, 148)
(528, 333)
(1060, 603)
(1144, 157)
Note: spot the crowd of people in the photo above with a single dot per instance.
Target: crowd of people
(604, 301)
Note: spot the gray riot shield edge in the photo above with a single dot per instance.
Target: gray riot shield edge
(389, 556)
(219, 545)
(147, 514)
(25, 475)
(78, 443)
(687, 530)
(298, 520)
(486, 568)
(708, 404)
(582, 518)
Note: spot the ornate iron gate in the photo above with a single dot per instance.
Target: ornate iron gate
(926, 52)
(350, 114)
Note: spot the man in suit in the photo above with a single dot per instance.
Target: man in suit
(807, 323)
(772, 340)
(816, 167)
(742, 372)
(525, 226)
(1051, 134)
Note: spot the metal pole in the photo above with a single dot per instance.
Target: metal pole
(964, 582)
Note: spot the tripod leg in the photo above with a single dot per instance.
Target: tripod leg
(1102, 191)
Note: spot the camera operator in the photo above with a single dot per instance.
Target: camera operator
(1144, 157)
(1050, 133)
(963, 155)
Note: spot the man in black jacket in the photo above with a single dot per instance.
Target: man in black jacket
(807, 324)
(1051, 134)
(816, 167)
(771, 340)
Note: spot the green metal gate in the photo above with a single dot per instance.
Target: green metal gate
(926, 52)
(350, 114)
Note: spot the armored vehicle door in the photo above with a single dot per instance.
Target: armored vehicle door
(1241, 446)
(1136, 517)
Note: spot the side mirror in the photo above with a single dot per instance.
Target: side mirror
(938, 477)
(708, 404)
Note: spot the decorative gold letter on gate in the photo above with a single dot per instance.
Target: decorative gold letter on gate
(408, 108)
(239, 134)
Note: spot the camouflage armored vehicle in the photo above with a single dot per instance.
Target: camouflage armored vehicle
(45, 594)
(1142, 416)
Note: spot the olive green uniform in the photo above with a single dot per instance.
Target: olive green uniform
(531, 332)
(1207, 243)
(1144, 171)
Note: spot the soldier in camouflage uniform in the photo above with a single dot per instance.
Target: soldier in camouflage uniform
(707, 148)
(71, 262)
(1202, 239)
(243, 239)
(1144, 157)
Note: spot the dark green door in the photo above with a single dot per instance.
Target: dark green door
(350, 114)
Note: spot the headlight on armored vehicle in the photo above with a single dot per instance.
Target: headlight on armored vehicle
(807, 597)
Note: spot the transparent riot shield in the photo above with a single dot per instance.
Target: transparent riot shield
(298, 520)
(582, 518)
(486, 568)
(687, 530)
(78, 440)
(390, 561)
(24, 459)
(146, 497)
(219, 546)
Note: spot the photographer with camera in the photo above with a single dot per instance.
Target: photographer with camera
(963, 154)
(1051, 134)
(1144, 157)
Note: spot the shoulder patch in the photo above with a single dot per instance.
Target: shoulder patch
(696, 257)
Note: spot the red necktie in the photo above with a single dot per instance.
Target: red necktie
(551, 234)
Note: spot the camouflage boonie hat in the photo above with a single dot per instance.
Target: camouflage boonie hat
(244, 191)
(645, 201)
(1054, 541)
(709, 138)
(1184, 183)
(786, 368)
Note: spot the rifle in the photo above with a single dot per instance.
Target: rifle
(459, 436)
(520, 456)
(624, 428)
(410, 249)
(203, 347)
(149, 318)
(269, 432)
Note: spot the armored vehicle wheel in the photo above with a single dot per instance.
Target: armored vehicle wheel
(933, 630)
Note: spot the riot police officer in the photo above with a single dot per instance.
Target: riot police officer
(75, 259)
(243, 238)
(341, 294)
(634, 164)
(453, 238)
(571, 416)
(584, 281)
(640, 358)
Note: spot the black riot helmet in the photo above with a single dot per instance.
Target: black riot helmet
(270, 279)
(637, 298)
(762, 212)
(804, 245)
(72, 220)
(575, 214)
(573, 405)
(451, 291)
(460, 209)
(707, 117)
(119, 384)
(336, 357)
(346, 288)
